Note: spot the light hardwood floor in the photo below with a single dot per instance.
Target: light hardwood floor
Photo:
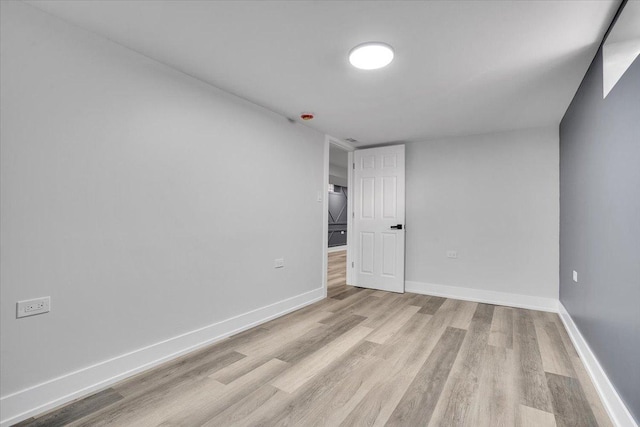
(364, 357)
(337, 274)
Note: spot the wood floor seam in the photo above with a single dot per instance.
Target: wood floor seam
(367, 358)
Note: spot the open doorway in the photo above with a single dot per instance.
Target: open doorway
(337, 216)
(338, 196)
(337, 224)
(373, 202)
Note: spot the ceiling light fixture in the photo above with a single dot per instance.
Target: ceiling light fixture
(371, 55)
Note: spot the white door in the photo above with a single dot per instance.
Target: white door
(378, 218)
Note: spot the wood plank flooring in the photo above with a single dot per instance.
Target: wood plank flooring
(337, 275)
(363, 357)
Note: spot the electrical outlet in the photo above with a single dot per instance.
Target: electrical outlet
(31, 307)
(575, 276)
(278, 263)
(452, 254)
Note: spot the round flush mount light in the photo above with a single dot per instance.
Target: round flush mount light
(371, 55)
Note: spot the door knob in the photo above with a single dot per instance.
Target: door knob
(397, 227)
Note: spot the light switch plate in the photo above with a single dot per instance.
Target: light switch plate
(575, 276)
(278, 263)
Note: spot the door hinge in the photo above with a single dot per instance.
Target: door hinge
(354, 165)
(353, 214)
(351, 264)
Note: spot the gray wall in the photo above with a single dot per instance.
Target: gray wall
(338, 203)
(600, 223)
(338, 175)
(494, 199)
(116, 200)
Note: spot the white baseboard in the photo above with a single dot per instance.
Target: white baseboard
(614, 405)
(337, 249)
(484, 296)
(37, 399)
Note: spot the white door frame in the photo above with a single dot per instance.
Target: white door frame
(328, 141)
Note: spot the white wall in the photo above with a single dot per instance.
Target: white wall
(494, 199)
(145, 203)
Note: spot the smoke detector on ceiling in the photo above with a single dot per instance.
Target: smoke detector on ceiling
(351, 140)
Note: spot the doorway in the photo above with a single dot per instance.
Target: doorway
(337, 218)
(337, 214)
(338, 196)
(375, 211)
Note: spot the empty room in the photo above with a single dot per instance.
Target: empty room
(320, 213)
